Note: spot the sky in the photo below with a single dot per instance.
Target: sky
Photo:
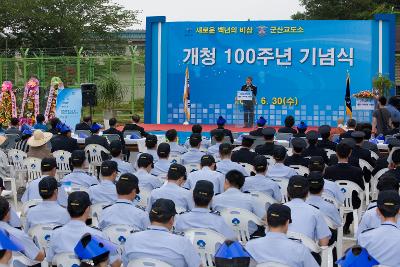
(208, 10)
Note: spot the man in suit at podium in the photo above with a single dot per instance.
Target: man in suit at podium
(248, 105)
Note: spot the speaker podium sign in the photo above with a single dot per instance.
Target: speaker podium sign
(69, 106)
(299, 67)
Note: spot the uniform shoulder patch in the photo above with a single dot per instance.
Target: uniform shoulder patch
(295, 239)
(140, 207)
(107, 206)
(367, 230)
(216, 212)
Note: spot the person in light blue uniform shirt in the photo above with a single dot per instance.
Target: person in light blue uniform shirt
(329, 210)
(116, 153)
(79, 176)
(382, 242)
(371, 219)
(127, 188)
(307, 220)
(279, 170)
(201, 216)
(48, 168)
(276, 246)
(172, 189)
(157, 242)
(226, 164)
(70, 234)
(261, 183)
(234, 198)
(105, 192)
(219, 137)
(205, 143)
(147, 181)
(161, 167)
(14, 218)
(30, 249)
(48, 211)
(172, 137)
(151, 147)
(194, 154)
(207, 172)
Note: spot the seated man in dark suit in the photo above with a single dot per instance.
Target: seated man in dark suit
(325, 132)
(367, 144)
(63, 141)
(382, 162)
(343, 170)
(244, 155)
(221, 126)
(113, 130)
(96, 139)
(359, 152)
(313, 150)
(351, 126)
(260, 124)
(134, 126)
(85, 124)
(269, 146)
(289, 123)
(297, 158)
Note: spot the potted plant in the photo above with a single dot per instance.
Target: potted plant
(110, 95)
(382, 84)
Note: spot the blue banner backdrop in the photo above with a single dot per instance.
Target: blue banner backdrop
(69, 106)
(299, 67)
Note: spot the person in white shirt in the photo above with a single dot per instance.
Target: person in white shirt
(279, 170)
(147, 181)
(172, 137)
(194, 154)
(219, 137)
(161, 167)
(116, 153)
(226, 164)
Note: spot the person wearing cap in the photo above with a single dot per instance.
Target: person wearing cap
(13, 128)
(313, 149)
(161, 167)
(316, 182)
(94, 251)
(23, 143)
(330, 187)
(382, 242)
(201, 216)
(289, 123)
(127, 189)
(172, 136)
(151, 147)
(30, 249)
(301, 130)
(198, 129)
(176, 177)
(64, 141)
(269, 146)
(245, 154)
(116, 154)
(65, 238)
(274, 247)
(219, 139)
(105, 191)
(325, 133)
(261, 183)
(147, 181)
(14, 218)
(206, 172)
(158, 242)
(260, 126)
(8, 244)
(371, 219)
(278, 169)
(367, 136)
(134, 126)
(221, 126)
(298, 144)
(38, 145)
(383, 162)
(96, 139)
(79, 176)
(358, 152)
(233, 197)
(48, 167)
(85, 125)
(226, 164)
(48, 211)
(307, 219)
(394, 166)
(194, 154)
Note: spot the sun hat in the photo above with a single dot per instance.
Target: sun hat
(39, 138)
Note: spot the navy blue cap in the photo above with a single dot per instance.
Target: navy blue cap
(298, 142)
(163, 208)
(221, 120)
(63, 128)
(204, 188)
(302, 125)
(279, 152)
(96, 127)
(389, 199)
(358, 134)
(92, 246)
(268, 132)
(261, 121)
(298, 181)
(357, 257)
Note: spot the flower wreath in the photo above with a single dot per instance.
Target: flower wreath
(30, 102)
(55, 85)
(8, 102)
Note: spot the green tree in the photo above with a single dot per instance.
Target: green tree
(62, 23)
(345, 9)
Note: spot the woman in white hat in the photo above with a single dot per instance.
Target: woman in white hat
(38, 147)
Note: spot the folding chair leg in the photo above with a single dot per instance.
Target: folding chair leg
(355, 222)
(339, 242)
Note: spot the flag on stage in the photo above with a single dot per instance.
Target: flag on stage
(347, 99)
(186, 96)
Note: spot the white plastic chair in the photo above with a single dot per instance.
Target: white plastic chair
(374, 155)
(239, 220)
(142, 198)
(374, 182)
(66, 260)
(347, 187)
(63, 168)
(74, 188)
(272, 264)
(247, 166)
(175, 158)
(191, 167)
(283, 184)
(118, 233)
(146, 262)
(365, 164)
(301, 170)
(16, 160)
(95, 211)
(206, 242)
(7, 178)
(33, 168)
(289, 151)
(93, 153)
(18, 258)
(329, 152)
(41, 234)
(264, 199)
(338, 244)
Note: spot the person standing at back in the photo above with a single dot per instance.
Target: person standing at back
(248, 105)
(134, 126)
(381, 121)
